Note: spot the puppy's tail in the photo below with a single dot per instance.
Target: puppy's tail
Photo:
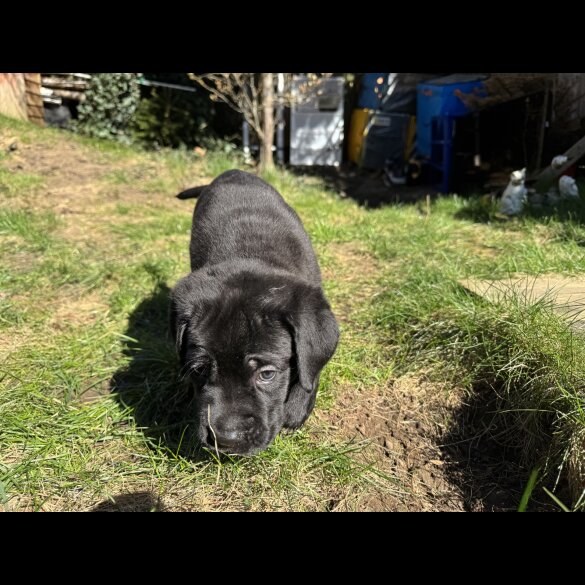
(192, 193)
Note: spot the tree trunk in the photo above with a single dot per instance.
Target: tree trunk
(267, 139)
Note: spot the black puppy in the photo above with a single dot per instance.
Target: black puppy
(252, 326)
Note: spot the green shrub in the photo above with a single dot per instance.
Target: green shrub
(110, 103)
(169, 117)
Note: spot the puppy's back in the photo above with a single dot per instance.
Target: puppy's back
(239, 215)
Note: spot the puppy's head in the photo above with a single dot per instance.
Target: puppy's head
(253, 347)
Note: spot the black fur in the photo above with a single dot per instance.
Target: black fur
(192, 193)
(254, 299)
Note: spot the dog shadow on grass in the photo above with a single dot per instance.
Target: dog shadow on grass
(149, 386)
(134, 502)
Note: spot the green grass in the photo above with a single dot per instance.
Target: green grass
(32, 229)
(88, 396)
(13, 184)
(163, 224)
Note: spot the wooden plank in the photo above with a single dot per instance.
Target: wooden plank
(69, 94)
(13, 95)
(540, 145)
(60, 83)
(546, 177)
(79, 75)
(34, 100)
(566, 295)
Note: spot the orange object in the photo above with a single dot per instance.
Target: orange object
(357, 126)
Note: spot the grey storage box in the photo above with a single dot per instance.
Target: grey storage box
(316, 123)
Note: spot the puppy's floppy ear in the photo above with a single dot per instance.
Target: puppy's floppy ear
(178, 325)
(315, 335)
(184, 302)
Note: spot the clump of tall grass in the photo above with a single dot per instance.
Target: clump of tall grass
(528, 359)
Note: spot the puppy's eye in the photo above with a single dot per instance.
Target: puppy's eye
(197, 369)
(266, 375)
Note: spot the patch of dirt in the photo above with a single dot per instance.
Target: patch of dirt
(7, 138)
(131, 495)
(71, 306)
(12, 339)
(484, 250)
(72, 310)
(77, 185)
(443, 447)
(18, 260)
(474, 241)
(352, 264)
(60, 162)
(404, 421)
(353, 260)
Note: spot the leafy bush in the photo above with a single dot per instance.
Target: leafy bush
(110, 103)
(169, 117)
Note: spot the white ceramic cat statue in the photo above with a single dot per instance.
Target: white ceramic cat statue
(514, 197)
(568, 187)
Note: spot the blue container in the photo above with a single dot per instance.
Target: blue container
(439, 97)
(368, 97)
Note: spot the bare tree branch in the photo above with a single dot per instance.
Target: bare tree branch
(245, 93)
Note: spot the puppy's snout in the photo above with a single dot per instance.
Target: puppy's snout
(229, 434)
(225, 438)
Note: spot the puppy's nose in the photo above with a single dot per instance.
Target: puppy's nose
(226, 437)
